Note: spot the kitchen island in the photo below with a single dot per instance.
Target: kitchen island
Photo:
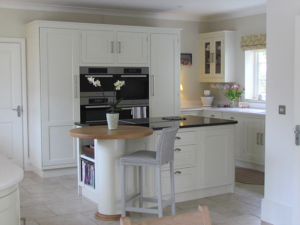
(203, 159)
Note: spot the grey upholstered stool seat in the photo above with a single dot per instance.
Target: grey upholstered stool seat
(163, 155)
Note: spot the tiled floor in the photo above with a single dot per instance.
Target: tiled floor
(54, 201)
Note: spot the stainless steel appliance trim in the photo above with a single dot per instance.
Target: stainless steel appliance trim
(76, 86)
(120, 70)
(134, 76)
(85, 70)
(96, 106)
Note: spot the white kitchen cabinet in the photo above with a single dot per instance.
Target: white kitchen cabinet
(217, 153)
(213, 114)
(217, 56)
(53, 95)
(164, 75)
(238, 132)
(191, 112)
(109, 46)
(254, 140)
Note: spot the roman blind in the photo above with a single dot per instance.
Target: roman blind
(254, 42)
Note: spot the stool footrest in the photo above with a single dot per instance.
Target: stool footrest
(141, 210)
(133, 198)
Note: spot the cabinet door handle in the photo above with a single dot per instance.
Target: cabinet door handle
(153, 87)
(257, 138)
(177, 150)
(112, 47)
(177, 172)
(212, 116)
(261, 139)
(119, 47)
(232, 118)
(177, 138)
(76, 87)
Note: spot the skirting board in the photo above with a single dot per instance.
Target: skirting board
(249, 165)
(54, 172)
(275, 213)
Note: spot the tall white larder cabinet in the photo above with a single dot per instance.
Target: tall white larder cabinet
(53, 95)
(164, 74)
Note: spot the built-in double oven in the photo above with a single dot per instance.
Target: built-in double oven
(94, 100)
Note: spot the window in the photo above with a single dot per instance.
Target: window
(255, 75)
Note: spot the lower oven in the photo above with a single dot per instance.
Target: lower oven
(93, 113)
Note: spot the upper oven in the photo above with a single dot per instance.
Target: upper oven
(136, 88)
(106, 77)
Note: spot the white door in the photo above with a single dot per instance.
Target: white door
(11, 129)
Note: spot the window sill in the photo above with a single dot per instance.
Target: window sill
(255, 100)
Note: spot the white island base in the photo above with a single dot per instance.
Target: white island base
(204, 166)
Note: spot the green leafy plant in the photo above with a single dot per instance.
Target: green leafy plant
(113, 106)
(232, 92)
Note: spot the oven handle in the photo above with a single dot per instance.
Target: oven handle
(97, 106)
(98, 75)
(133, 76)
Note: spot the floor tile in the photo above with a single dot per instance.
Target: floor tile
(91, 215)
(23, 192)
(38, 199)
(73, 206)
(66, 195)
(225, 197)
(61, 179)
(70, 184)
(36, 212)
(70, 219)
(43, 188)
(31, 222)
(28, 174)
(196, 203)
(26, 182)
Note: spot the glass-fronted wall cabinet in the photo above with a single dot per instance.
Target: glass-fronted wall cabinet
(217, 56)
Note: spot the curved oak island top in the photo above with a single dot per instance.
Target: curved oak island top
(102, 132)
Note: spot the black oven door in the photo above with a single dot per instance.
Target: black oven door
(93, 113)
(106, 81)
(136, 87)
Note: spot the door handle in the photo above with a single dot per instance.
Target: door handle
(112, 47)
(257, 138)
(153, 83)
(119, 47)
(177, 138)
(18, 109)
(261, 139)
(177, 150)
(177, 172)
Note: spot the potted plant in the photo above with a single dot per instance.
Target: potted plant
(232, 92)
(111, 115)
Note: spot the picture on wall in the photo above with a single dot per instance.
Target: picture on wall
(186, 59)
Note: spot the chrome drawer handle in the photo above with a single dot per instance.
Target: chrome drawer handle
(232, 118)
(212, 116)
(177, 172)
(177, 149)
(178, 138)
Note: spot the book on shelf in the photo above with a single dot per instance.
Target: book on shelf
(88, 172)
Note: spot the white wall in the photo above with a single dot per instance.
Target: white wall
(12, 23)
(277, 206)
(244, 26)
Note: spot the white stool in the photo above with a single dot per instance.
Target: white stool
(163, 155)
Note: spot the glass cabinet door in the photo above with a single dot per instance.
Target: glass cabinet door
(218, 57)
(207, 57)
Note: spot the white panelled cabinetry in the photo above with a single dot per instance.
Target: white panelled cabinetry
(249, 137)
(108, 45)
(217, 56)
(165, 75)
(56, 50)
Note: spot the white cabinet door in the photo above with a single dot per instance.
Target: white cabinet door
(59, 49)
(216, 156)
(132, 48)
(212, 114)
(165, 77)
(238, 132)
(97, 47)
(252, 139)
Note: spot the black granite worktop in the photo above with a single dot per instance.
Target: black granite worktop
(157, 123)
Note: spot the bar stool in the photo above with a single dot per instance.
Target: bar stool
(163, 155)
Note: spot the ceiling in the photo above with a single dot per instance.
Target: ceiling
(192, 10)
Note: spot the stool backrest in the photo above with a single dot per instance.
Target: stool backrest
(165, 147)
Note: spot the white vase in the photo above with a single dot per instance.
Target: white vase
(112, 120)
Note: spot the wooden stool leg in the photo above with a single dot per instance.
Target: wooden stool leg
(159, 192)
(123, 191)
(141, 186)
(172, 187)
